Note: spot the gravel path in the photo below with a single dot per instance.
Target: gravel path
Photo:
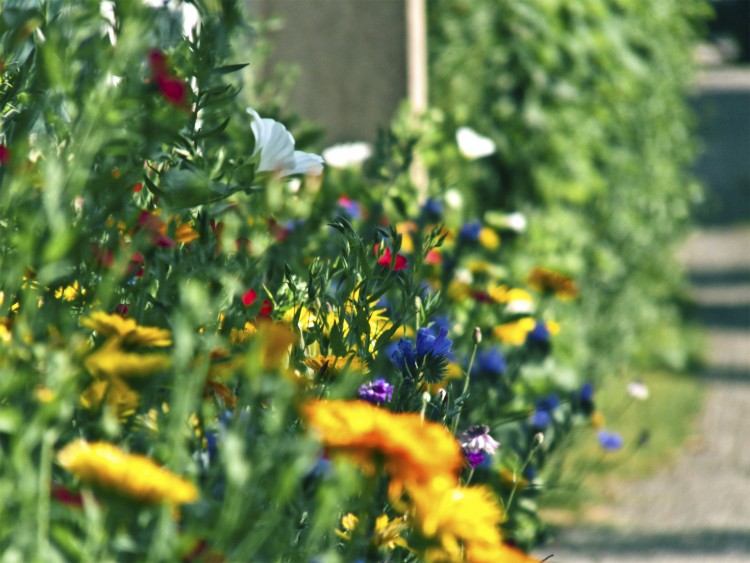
(698, 509)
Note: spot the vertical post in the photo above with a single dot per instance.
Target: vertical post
(416, 68)
(416, 53)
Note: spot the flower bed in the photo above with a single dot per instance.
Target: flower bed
(211, 349)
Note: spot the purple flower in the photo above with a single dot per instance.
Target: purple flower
(610, 441)
(376, 392)
(474, 458)
(350, 207)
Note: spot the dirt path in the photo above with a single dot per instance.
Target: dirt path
(698, 509)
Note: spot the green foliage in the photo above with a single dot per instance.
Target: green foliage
(586, 104)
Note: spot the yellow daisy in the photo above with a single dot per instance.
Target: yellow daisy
(112, 361)
(135, 476)
(127, 330)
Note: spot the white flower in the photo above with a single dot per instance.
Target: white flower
(473, 145)
(276, 147)
(189, 14)
(477, 439)
(463, 275)
(638, 390)
(347, 155)
(514, 221)
(519, 307)
(454, 199)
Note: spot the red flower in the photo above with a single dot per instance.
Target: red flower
(433, 257)
(66, 496)
(249, 297)
(385, 259)
(4, 155)
(172, 88)
(266, 308)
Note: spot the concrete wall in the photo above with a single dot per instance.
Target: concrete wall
(352, 61)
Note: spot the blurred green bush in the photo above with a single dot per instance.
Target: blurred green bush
(585, 101)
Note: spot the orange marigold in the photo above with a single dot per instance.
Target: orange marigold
(130, 475)
(413, 452)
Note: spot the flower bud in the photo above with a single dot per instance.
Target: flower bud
(477, 335)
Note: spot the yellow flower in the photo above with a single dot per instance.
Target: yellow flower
(553, 328)
(545, 280)
(458, 290)
(388, 532)
(70, 292)
(463, 520)
(130, 475)
(111, 361)
(118, 396)
(334, 365)
(514, 333)
(412, 451)
(406, 229)
(597, 420)
(127, 330)
(349, 522)
(307, 317)
(489, 238)
(240, 336)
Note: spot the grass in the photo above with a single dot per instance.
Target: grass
(655, 430)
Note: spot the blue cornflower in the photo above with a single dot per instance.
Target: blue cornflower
(490, 361)
(429, 344)
(587, 392)
(376, 392)
(540, 333)
(433, 208)
(470, 231)
(540, 420)
(403, 354)
(610, 441)
(440, 322)
(542, 416)
(548, 403)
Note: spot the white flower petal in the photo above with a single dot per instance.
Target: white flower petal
(347, 155)
(276, 147)
(473, 145)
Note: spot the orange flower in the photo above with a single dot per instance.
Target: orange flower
(544, 280)
(413, 452)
